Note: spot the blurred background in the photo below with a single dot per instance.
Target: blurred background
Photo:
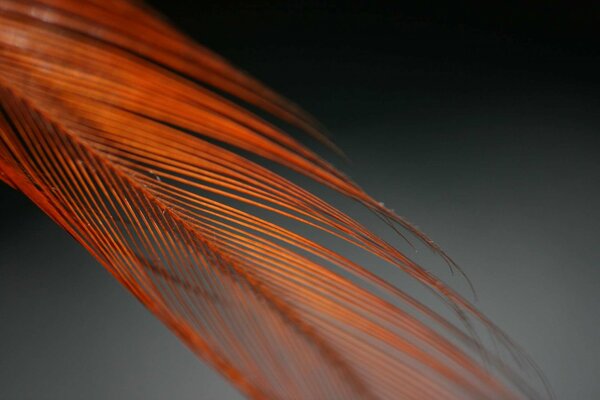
(480, 124)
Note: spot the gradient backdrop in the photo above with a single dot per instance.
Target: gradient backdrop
(480, 125)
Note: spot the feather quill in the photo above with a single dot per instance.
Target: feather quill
(118, 127)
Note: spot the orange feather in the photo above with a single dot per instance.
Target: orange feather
(117, 126)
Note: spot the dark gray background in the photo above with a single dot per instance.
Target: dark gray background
(478, 124)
